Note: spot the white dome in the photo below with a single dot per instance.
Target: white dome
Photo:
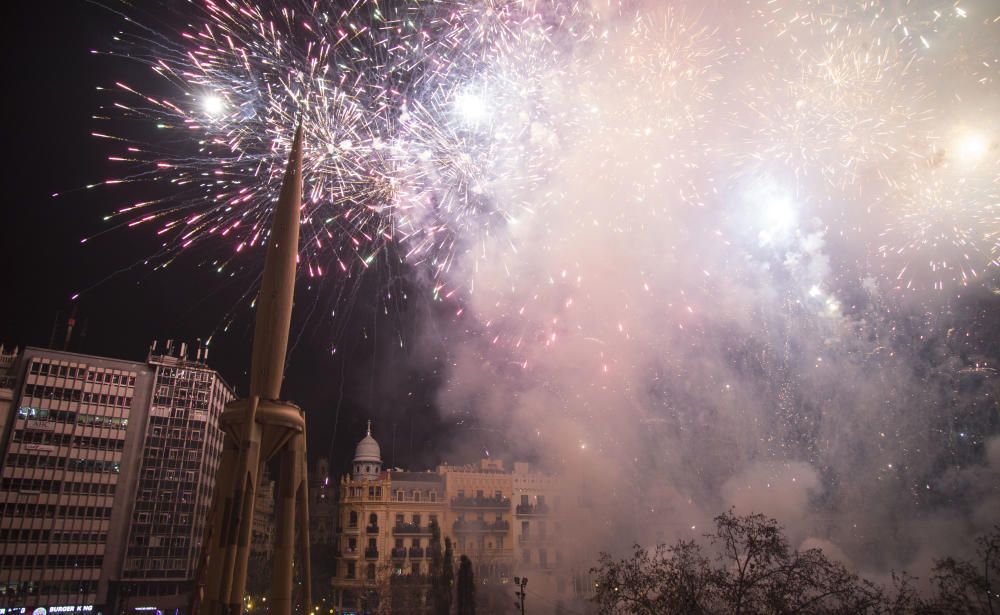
(368, 449)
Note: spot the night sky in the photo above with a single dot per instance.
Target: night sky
(50, 102)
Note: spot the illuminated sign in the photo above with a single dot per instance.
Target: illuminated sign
(20, 610)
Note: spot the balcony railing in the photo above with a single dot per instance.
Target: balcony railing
(410, 579)
(371, 553)
(349, 552)
(477, 525)
(481, 502)
(410, 528)
(398, 553)
(416, 552)
(532, 509)
(372, 529)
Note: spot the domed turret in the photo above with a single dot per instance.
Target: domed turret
(367, 457)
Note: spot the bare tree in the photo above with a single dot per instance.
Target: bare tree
(964, 588)
(752, 570)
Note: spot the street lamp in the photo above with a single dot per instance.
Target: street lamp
(520, 582)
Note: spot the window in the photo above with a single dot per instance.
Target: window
(373, 520)
(415, 568)
(399, 518)
(433, 519)
(524, 500)
(434, 496)
(399, 495)
(371, 572)
(399, 543)
(350, 571)
(415, 543)
(416, 495)
(526, 556)
(524, 529)
(498, 495)
(372, 545)
(353, 519)
(542, 558)
(416, 519)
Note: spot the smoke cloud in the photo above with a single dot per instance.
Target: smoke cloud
(683, 319)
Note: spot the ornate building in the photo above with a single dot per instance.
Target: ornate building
(506, 522)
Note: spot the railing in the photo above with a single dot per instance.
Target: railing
(371, 553)
(398, 553)
(410, 579)
(476, 525)
(532, 509)
(481, 502)
(416, 552)
(350, 551)
(410, 528)
(372, 529)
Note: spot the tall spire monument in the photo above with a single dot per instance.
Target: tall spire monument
(258, 429)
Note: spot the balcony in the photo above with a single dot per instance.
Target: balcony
(532, 509)
(481, 502)
(410, 579)
(477, 525)
(416, 552)
(372, 529)
(410, 528)
(352, 529)
(349, 552)
(371, 553)
(398, 553)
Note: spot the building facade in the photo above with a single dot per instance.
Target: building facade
(182, 445)
(66, 490)
(506, 522)
(107, 472)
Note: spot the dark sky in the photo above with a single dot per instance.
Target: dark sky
(49, 103)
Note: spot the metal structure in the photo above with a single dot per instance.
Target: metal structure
(521, 582)
(258, 429)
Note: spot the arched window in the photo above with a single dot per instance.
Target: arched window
(371, 572)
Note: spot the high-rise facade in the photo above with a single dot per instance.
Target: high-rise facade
(180, 457)
(66, 489)
(107, 471)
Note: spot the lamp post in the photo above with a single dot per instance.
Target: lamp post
(520, 582)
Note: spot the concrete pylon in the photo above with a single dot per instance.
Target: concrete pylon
(257, 429)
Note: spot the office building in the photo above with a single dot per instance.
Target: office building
(107, 474)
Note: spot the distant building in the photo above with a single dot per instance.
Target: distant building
(107, 471)
(8, 386)
(322, 528)
(506, 522)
